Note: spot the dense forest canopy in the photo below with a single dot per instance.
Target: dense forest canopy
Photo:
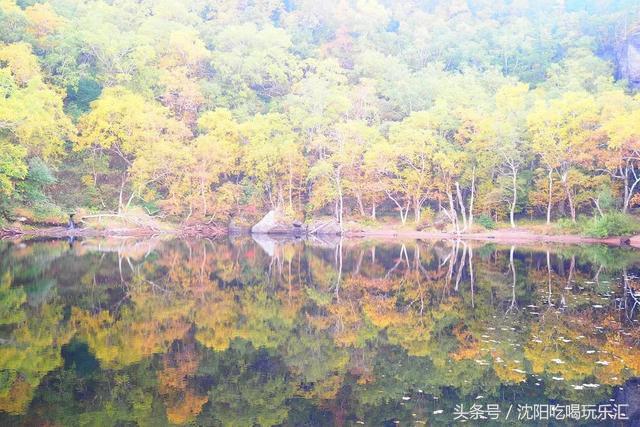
(205, 109)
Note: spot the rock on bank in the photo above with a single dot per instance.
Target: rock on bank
(276, 222)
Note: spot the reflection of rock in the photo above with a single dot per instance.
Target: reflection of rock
(271, 242)
(266, 243)
(133, 248)
(324, 240)
(629, 59)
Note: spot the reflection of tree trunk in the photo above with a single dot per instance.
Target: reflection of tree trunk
(339, 268)
(289, 294)
(629, 292)
(512, 267)
(463, 259)
(203, 263)
(400, 260)
(472, 196)
(453, 258)
(549, 275)
(596, 278)
(403, 251)
(572, 267)
(373, 255)
(120, 268)
(359, 264)
(513, 280)
(471, 277)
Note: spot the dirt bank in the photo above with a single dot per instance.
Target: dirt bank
(503, 236)
(196, 230)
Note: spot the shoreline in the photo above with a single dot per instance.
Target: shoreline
(503, 236)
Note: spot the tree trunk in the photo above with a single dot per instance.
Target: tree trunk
(515, 197)
(567, 191)
(340, 198)
(360, 204)
(550, 196)
(452, 211)
(625, 206)
(403, 211)
(403, 216)
(122, 183)
(596, 202)
(373, 211)
(629, 189)
(463, 210)
(417, 210)
(290, 186)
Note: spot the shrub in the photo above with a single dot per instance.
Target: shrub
(486, 222)
(568, 226)
(611, 224)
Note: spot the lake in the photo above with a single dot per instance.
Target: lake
(243, 332)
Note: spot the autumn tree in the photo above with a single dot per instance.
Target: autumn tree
(123, 128)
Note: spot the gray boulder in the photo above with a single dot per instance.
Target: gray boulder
(441, 221)
(275, 222)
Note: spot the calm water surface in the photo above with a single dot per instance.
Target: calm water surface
(242, 332)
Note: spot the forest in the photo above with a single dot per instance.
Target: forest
(207, 110)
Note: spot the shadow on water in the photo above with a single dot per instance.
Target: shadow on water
(313, 332)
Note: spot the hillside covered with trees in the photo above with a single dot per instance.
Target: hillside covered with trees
(206, 110)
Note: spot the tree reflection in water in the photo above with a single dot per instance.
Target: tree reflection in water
(242, 332)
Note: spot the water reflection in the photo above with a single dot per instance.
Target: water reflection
(335, 332)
